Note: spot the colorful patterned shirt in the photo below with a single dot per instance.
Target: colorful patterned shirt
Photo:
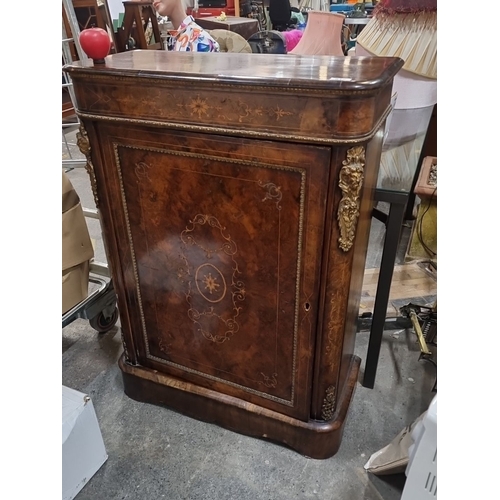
(191, 37)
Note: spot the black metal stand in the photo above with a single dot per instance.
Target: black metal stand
(411, 195)
(401, 209)
(393, 222)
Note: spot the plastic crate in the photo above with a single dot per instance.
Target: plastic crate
(421, 471)
(341, 7)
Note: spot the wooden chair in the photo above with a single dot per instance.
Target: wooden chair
(135, 32)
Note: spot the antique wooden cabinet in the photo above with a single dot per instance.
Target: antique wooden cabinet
(235, 192)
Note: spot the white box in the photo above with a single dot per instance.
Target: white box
(421, 472)
(83, 450)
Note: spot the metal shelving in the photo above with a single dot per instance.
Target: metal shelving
(100, 305)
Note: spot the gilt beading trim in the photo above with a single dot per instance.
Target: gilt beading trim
(240, 132)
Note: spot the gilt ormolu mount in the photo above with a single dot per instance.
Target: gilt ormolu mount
(235, 196)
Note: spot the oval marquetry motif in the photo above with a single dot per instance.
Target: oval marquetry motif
(210, 283)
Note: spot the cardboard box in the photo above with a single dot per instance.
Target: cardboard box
(427, 179)
(83, 450)
(75, 285)
(77, 250)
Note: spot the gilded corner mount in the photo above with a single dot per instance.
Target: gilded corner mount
(328, 407)
(350, 182)
(82, 140)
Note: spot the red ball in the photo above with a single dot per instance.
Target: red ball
(95, 43)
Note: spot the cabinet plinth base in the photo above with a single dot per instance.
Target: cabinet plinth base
(314, 439)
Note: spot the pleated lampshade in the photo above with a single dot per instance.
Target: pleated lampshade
(322, 35)
(405, 29)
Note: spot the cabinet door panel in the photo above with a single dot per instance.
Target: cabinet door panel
(223, 237)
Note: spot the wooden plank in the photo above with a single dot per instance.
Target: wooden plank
(400, 273)
(409, 282)
(399, 286)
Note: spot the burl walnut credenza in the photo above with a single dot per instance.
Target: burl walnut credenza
(235, 196)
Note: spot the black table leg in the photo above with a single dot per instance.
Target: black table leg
(411, 195)
(391, 243)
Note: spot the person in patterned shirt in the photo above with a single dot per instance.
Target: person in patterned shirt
(190, 36)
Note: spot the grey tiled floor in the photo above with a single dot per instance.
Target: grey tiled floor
(155, 453)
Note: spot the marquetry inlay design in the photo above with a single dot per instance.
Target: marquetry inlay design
(208, 276)
(197, 106)
(271, 381)
(84, 146)
(273, 193)
(208, 281)
(335, 318)
(141, 170)
(164, 347)
(350, 182)
(273, 112)
(328, 407)
(210, 284)
(231, 111)
(209, 107)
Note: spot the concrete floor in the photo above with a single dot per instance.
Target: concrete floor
(155, 453)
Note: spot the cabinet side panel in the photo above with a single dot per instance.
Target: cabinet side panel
(353, 174)
(105, 190)
(334, 297)
(373, 152)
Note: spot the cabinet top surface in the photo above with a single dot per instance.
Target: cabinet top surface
(326, 72)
